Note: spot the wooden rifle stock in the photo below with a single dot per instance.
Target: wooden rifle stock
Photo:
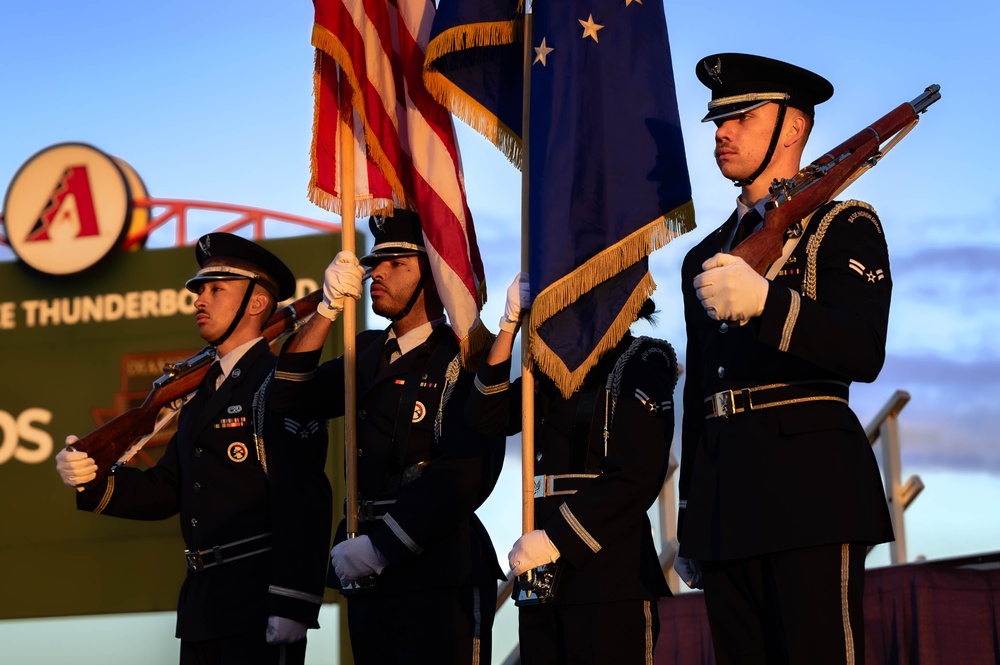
(110, 441)
(795, 198)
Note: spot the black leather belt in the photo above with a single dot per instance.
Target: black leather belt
(199, 560)
(561, 484)
(369, 511)
(731, 402)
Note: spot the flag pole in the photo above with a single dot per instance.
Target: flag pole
(348, 244)
(527, 376)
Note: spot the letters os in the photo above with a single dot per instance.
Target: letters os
(22, 439)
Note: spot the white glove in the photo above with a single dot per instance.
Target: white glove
(730, 290)
(532, 550)
(284, 631)
(518, 298)
(356, 558)
(689, 570)
(342, 278)
(75, 467)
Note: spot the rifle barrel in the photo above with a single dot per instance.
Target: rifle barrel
(930, 95)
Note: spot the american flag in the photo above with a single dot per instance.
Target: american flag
(370, 59)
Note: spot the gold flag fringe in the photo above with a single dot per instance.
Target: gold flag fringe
(467, 109)
(474, 345)
(552, 365)
(598, 269)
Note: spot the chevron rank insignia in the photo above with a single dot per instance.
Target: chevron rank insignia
(871, 276)
(652, 406)
(301, 430)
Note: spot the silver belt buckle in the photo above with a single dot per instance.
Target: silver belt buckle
(722, 404)
(543, 486)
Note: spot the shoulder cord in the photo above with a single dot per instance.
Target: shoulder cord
(613, 386)
(258, 420)
(450, 379)
(812, 247)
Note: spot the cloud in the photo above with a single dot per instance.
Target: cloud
(950, 418)
(943, 302)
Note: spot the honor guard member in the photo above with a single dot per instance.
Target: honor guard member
(780, 494)
(602, 456)
(421, 577)
(253, 498)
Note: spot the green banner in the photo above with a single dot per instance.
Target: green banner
(74, 353)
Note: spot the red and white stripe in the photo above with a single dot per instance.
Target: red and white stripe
(409, 138)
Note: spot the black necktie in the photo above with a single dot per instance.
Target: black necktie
(208, 384)
(391, 346)
(751, 218)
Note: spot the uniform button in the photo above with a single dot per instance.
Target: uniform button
(724, 328)
(538, 457)
(362, 414)
(360, 452)
(197, 487)
(194, 521)
(197, 452)
(722, 372)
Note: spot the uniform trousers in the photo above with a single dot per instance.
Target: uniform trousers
(244, 649)
(445, 626)
(795, 607)
(621, 632)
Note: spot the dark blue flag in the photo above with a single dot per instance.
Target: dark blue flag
(608, 179)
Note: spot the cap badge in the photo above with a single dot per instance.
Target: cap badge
(380, 223)
(715, 73)
(204, 243)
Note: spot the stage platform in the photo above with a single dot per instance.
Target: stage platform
(939, 612)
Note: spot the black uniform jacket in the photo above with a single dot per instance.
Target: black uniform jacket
(430, 537)
(802, 474)
(602, 531)
(228, 488)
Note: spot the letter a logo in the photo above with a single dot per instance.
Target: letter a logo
(71, 203)
(68, 208)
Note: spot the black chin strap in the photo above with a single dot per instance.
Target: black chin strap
(413, 298)
(251, 283)
(770, 149)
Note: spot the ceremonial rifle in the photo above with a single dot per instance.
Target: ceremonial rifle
(109, 442)
(792, 199)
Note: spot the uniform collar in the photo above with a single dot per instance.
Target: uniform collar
(417, 336)
(741, 209)
(228, 361)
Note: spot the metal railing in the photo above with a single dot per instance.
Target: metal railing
(884, 428)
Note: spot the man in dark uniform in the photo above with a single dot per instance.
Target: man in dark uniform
(780, 494)
(601, 458)
(252, 494)
(421, 577)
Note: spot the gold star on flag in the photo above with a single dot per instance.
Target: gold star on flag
(590, 28)
(629, 2)
(541, 51)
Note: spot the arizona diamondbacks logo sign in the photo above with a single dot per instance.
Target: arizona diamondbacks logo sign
(69, 207)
